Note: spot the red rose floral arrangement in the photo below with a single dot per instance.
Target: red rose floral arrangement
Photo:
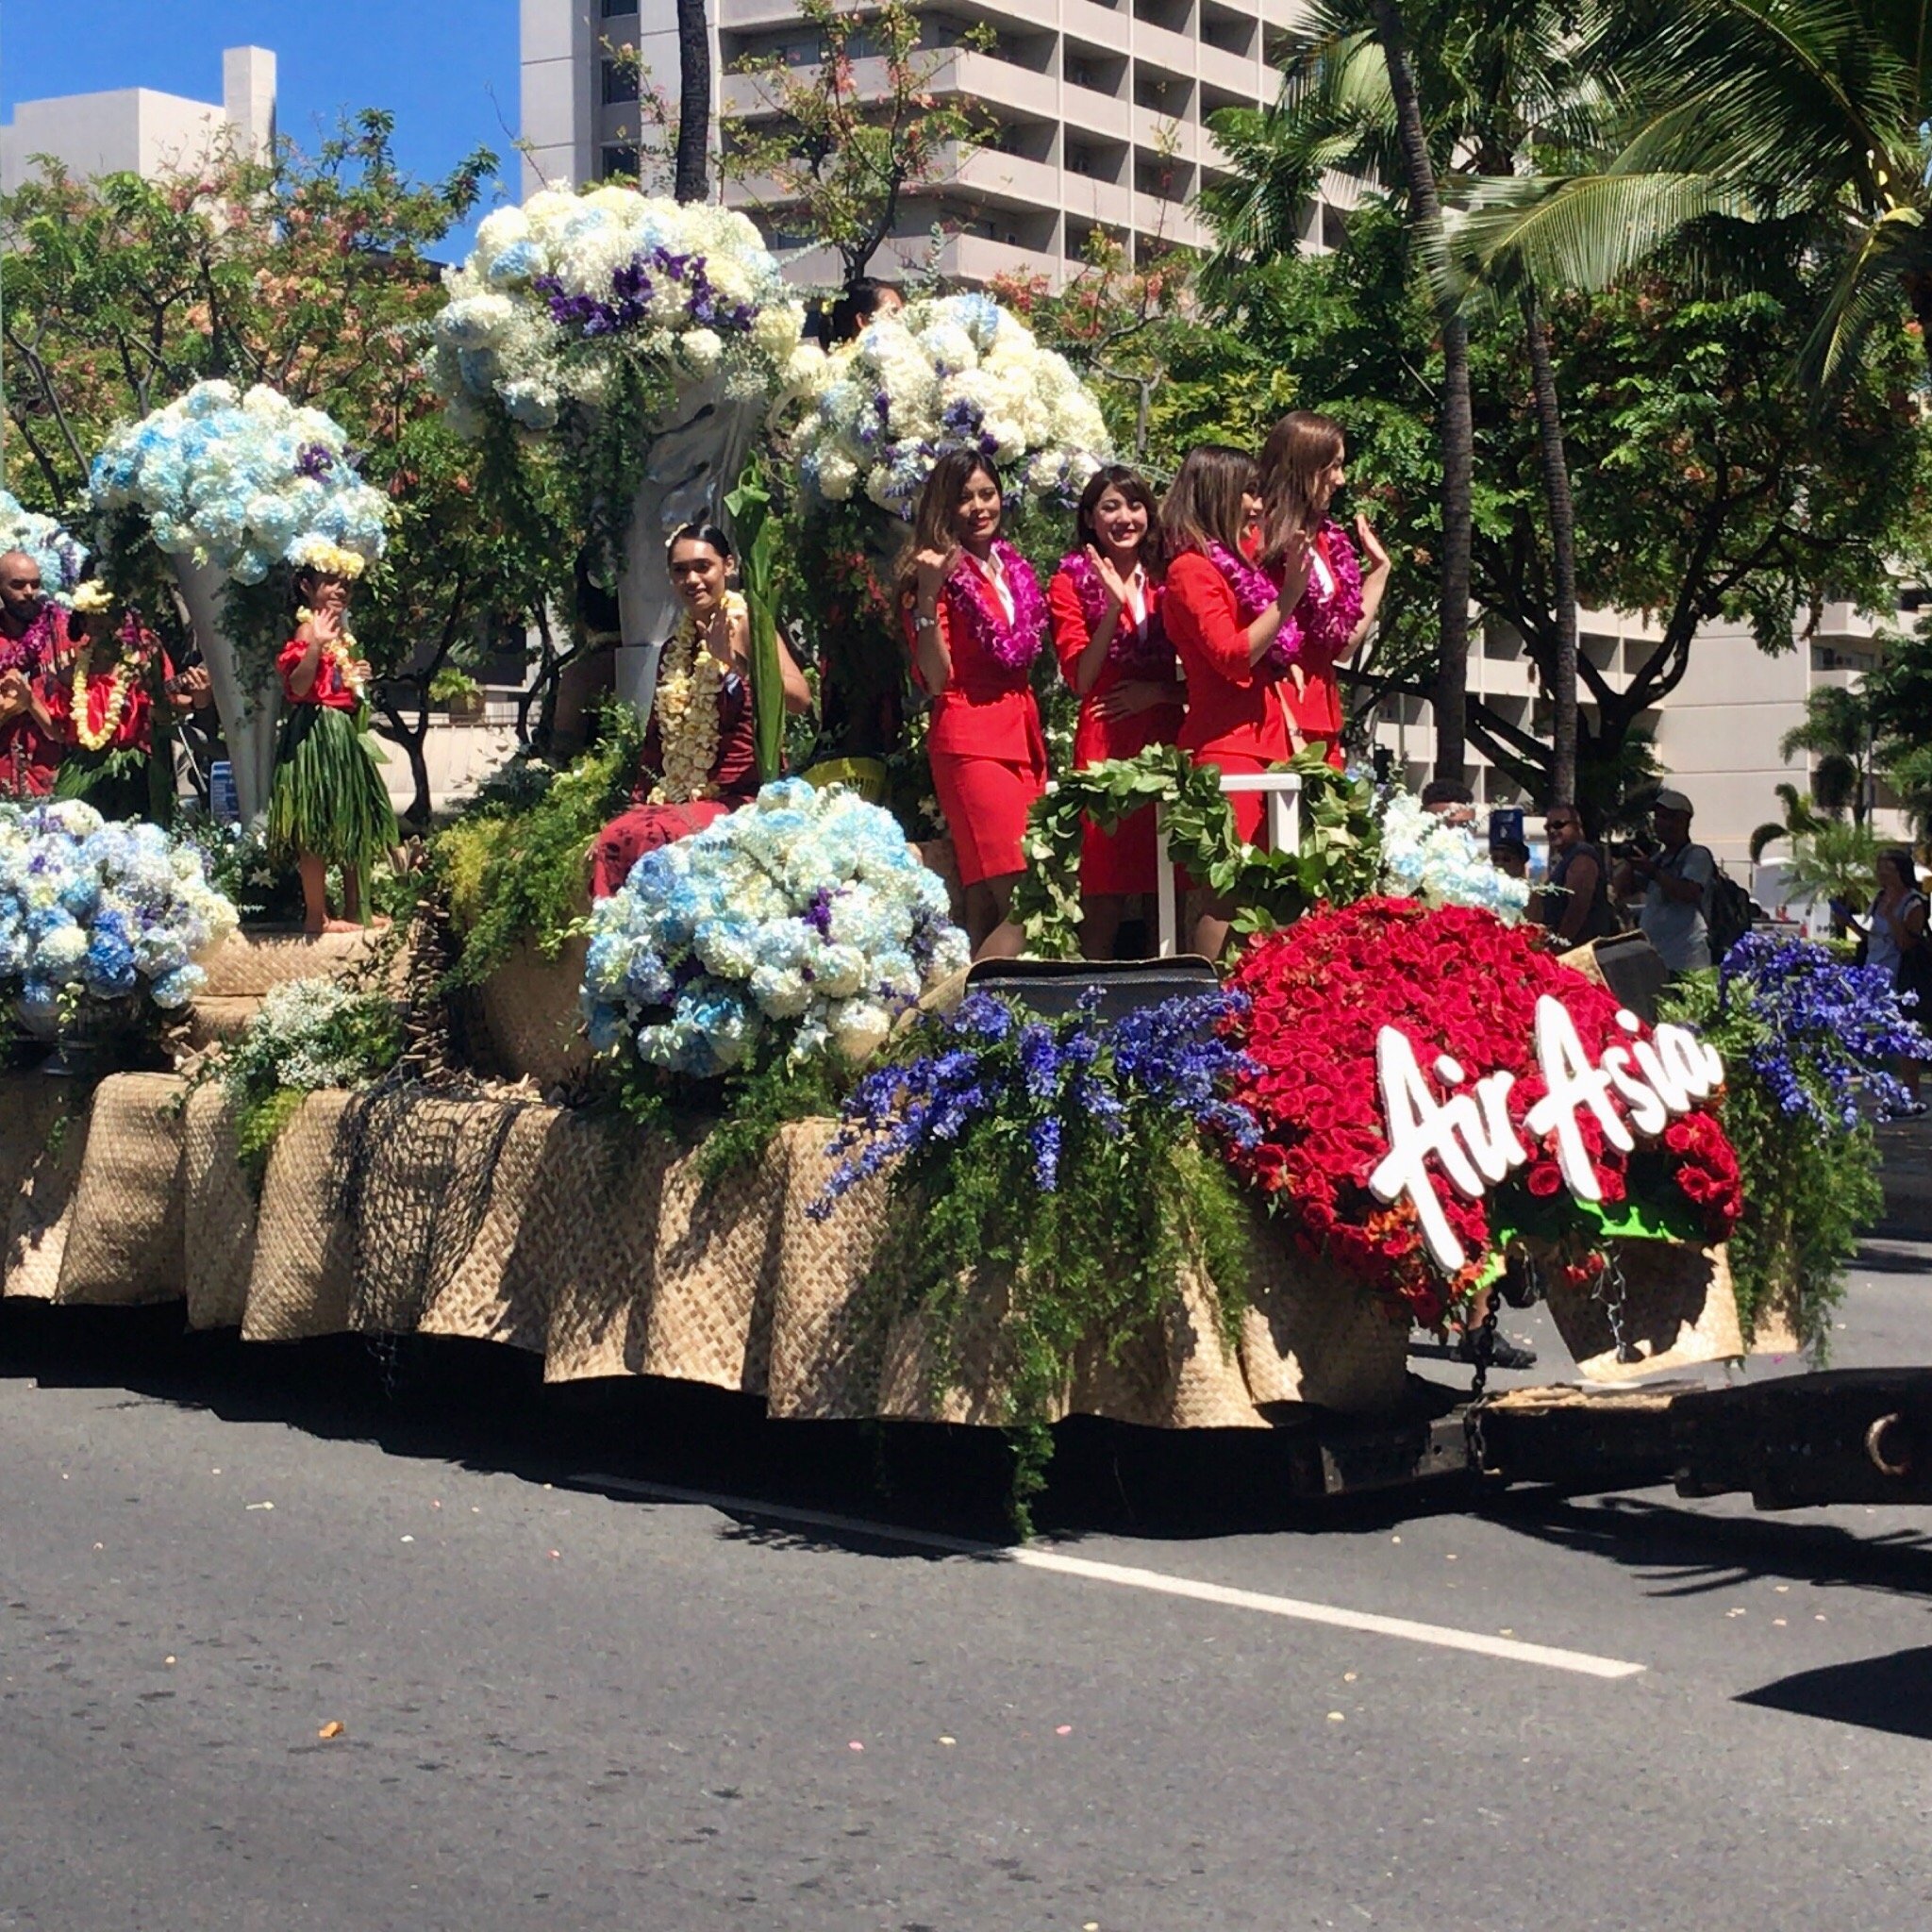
(1454, 981)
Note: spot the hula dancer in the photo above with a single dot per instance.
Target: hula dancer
(329, 804)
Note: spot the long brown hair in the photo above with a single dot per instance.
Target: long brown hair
(1298, 449)
(938, 503)
(1204, 501)
(1136, 488)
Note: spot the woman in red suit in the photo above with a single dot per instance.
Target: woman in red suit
(1115, 656)
(1225, 618)
(978, 621)
(1301, 468)
(701, 757)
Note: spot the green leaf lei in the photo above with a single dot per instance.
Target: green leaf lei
(1338, 858)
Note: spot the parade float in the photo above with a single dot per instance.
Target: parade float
(748, 1123)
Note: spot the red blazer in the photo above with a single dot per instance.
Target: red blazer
(1234, 707)
(1096, 738)
(987, 710)
(136, 729)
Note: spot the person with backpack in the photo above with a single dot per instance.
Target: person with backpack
(1675, 884)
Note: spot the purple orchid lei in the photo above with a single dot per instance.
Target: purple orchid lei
(1015, 645)
(1326, 622)
(1138, 650)
(1254, 591)
(33, 649)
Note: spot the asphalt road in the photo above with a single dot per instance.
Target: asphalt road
(576, 1703)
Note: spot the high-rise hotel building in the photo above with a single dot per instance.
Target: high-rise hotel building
(1098, 114)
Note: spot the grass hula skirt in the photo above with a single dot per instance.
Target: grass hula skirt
(114, 782)
(328, 797)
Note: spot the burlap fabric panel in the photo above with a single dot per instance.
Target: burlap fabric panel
(124, 1243)
(714, 1273)
(532, 1018)
(1680, 1309)
(591, 1226)
(305, 1247)
(419, 1173)
(249, 963)
(212, 1022)
(217, 1210)
(1312, 1334)
(495, 1291)
(828, 1358)
(42, 1139)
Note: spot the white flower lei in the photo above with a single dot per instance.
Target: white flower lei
(687, 710)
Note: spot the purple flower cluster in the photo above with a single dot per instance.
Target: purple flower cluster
(315, 461)
(1158, 1068)
(632, 289)
(1818, 1029)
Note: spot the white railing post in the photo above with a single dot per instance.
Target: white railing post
(1283, 792)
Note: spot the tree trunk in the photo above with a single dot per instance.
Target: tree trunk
(1549, 425)
(1457, 429)
(694, 100)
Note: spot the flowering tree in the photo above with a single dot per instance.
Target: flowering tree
(311, 275)
(835, 147)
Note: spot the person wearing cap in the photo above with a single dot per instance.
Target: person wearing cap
(1674, 885)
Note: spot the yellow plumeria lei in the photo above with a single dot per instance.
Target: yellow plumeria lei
(119, 684)
(689, 678)
(342, 653)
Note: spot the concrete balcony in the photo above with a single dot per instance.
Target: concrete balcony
(1095, 204)
(1091, 112)
(1848, 621)
(743, 16)
(975, 258)
(1102, 27)
(1158, 47)
(1171, 221)
(1007, 181)
(1237, 73)
(976, 78)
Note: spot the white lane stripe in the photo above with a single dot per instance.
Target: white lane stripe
(1030, 1557)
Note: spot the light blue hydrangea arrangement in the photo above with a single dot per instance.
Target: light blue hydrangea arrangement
(58, 554)
(806, 910)
(1425, 858)
(100, 909)
(242, 482)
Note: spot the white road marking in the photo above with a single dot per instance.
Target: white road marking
(1032, 1557)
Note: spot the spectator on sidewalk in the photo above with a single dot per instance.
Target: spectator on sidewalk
(1673, 886)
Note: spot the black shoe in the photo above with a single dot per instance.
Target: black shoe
(1504, 1353)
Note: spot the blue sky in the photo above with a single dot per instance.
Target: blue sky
(447, 69)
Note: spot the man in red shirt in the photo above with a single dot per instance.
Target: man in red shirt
(34, 639)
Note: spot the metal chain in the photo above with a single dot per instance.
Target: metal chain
(1614, 1291)
(1472, 1415)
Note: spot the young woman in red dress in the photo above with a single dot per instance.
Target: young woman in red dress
(1115, 656)
(701, 755)
(976, 621)
(1301, 468)
(1226, 618)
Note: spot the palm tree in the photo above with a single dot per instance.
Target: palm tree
(1799, 119)
(1801, 819)
(1484, 86)
(694, 101)
(1837, 732)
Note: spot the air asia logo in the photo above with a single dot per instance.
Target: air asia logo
(1477, 1147)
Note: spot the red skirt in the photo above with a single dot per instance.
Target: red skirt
(626, 840)
(1120, 861)
(986, 802)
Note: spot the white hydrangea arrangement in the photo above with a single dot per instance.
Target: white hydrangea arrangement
(309, 1034)
(947, 372)
(60, 555)
(806, 910)
(101, 910)
(557, 293)
(242, 482)
(1425, 858)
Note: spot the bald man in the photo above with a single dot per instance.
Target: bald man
(33, 636)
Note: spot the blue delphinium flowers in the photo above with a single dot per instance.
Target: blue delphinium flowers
(1821, 1028)
(1167, 1064)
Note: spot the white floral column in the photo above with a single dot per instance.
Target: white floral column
(247, 696)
